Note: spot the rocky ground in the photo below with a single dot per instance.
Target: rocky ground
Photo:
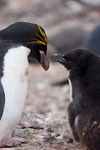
(67, 23)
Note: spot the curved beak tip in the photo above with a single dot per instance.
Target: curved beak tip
(44, 61)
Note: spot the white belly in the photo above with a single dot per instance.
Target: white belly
(14, 82)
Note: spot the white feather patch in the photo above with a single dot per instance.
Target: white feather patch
(14, 82)
(70, 85)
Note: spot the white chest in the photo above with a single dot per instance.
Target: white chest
(70, 85)
(14, 82)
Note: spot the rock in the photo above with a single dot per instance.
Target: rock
(67, 39)
(74, 6)
(20, 132)
(2, 3)
(49, 130)
(92, 43)
(95, 3)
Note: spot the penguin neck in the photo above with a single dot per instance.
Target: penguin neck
(15, 57)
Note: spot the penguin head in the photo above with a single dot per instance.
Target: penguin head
(76, 58)
(31, 36)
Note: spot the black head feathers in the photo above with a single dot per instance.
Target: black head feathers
(29, 35)
(24, 32)
(75, 58)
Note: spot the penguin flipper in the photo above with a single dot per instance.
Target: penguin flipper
(2, 100)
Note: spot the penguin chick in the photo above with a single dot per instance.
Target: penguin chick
(84, 106)
(18, 42)
(91, 43)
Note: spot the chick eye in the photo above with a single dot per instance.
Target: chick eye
(70, 64)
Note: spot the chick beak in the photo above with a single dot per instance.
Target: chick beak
(59, 58)
(44, 61)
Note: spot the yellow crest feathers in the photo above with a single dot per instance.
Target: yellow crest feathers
(43, 38)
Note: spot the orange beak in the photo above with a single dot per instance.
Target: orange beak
(44, 61)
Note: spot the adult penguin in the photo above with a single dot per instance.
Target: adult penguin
(17, 42)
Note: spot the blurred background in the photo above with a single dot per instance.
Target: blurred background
(68, 24)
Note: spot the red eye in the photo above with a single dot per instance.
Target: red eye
(41, 52)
